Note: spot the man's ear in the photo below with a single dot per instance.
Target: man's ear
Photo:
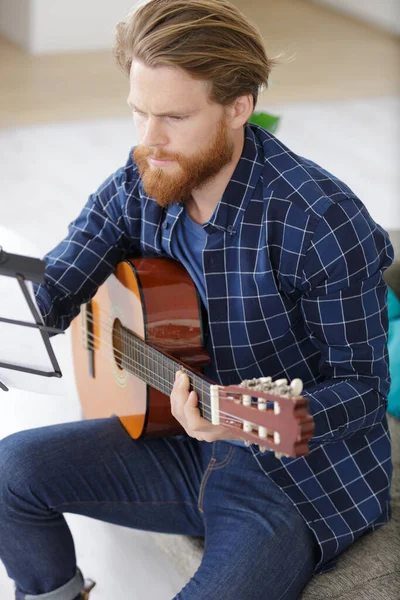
(241, 110)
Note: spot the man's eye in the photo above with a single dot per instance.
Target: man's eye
(136, 112)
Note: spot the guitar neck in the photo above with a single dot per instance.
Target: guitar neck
(158, 369)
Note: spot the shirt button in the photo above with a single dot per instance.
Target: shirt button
(165, 225)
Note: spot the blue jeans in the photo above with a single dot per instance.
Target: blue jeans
(257, 545)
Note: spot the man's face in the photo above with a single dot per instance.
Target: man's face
(175, 121)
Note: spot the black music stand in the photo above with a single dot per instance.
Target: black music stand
(25, 268)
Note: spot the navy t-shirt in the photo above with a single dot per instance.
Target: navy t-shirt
(187, 244)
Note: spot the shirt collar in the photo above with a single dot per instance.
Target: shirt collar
(240, 188)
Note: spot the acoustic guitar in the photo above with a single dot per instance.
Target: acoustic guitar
(145, 323)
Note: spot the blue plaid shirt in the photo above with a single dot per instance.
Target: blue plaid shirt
(293, 268)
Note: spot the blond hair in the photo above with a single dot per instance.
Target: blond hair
(212, 40)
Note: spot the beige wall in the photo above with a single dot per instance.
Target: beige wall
(384, 13)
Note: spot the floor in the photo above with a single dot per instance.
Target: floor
(339, 102)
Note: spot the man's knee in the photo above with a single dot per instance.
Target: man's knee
(20, 459)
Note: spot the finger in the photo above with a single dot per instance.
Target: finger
(191, 404)
(179, 395)
(181, 381)
(192, 414)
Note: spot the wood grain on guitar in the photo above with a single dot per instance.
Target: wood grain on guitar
(143, 324)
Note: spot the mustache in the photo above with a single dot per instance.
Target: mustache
(148, 153)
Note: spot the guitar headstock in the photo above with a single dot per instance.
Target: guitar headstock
(271, 414)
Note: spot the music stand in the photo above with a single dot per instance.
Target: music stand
(25, 268)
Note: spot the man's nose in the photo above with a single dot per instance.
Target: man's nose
(153, 134)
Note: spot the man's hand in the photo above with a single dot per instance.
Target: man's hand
(184, 409)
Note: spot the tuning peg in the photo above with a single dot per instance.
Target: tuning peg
(262, 448)
(296, 387)
(280, 382)
(261, 404)
(279, 455)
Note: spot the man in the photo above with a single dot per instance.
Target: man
(288, 264)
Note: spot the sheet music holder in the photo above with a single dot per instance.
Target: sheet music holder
(25, 268)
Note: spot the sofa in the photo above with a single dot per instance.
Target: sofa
(370, 568)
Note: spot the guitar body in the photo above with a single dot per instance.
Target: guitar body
(156, 300)
(143, 324)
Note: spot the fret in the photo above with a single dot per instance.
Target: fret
(172, 369)
(134, 364)
(133, 359)
(139, 360)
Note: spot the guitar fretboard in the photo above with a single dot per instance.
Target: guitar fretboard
(158, 370)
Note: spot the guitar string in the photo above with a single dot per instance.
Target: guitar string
(161, 380)
(139, 343)
(206, 410)
(138, 351)
(170, 370)
(138, 340)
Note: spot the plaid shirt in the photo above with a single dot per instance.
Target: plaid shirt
(293, 268)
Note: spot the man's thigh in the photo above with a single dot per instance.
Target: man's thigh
(95, 468)
(257, 544)
(243, 561)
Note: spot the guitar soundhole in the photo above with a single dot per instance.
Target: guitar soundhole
(117, 342)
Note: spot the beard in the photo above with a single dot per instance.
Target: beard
(176, 182)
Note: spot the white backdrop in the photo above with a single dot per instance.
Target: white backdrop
(50, 26)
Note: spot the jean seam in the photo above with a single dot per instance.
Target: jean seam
(226, 460)
(212, 466)
(203, 483)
